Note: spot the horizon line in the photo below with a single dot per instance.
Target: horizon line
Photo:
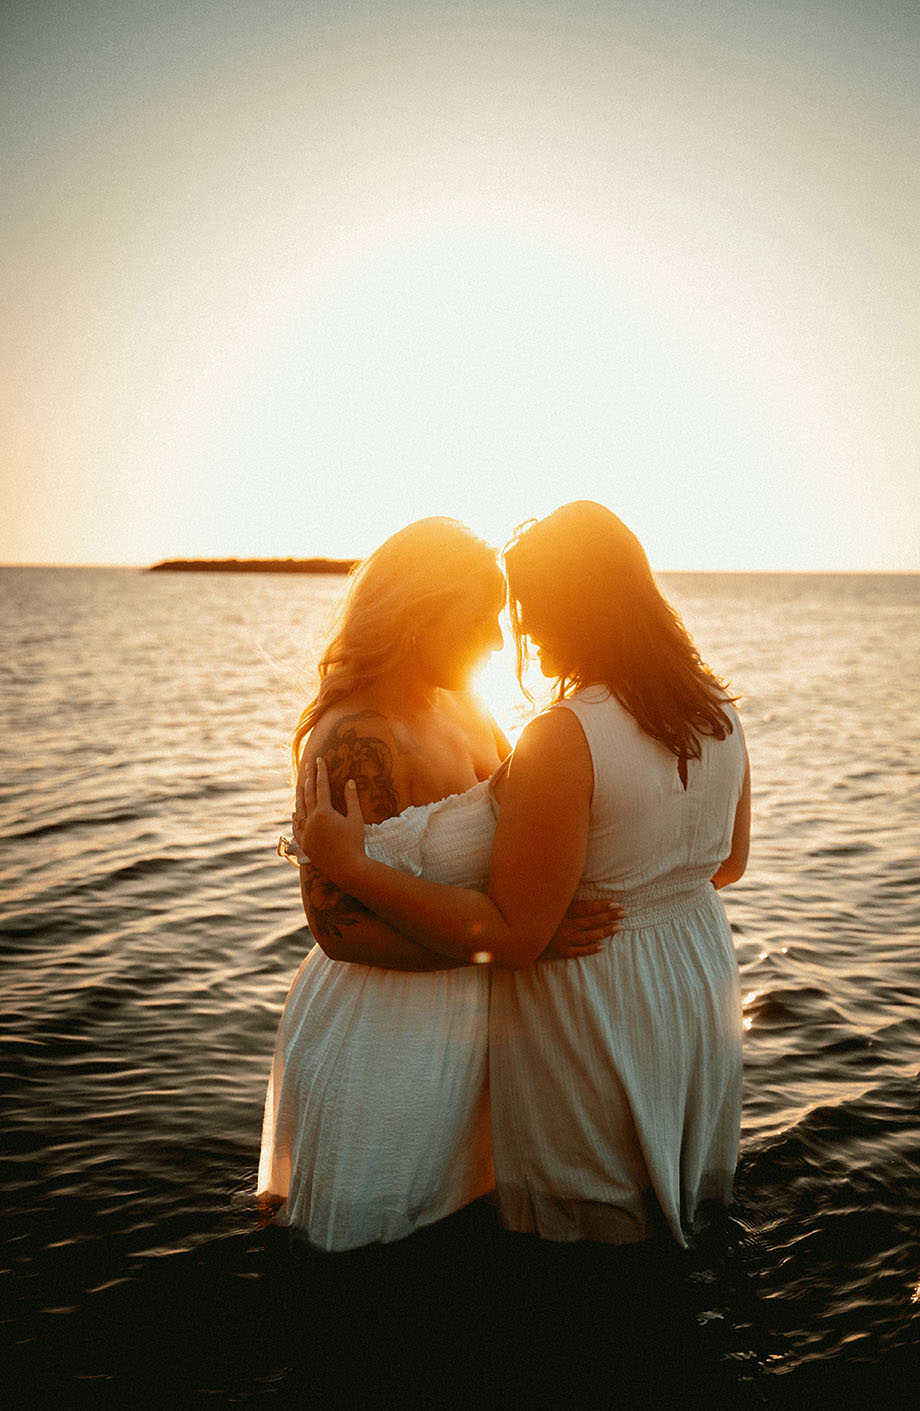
(229, 558)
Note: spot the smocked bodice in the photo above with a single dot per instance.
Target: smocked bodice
(447, 841)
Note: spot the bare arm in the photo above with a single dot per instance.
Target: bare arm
(733, 867)
(346, 930)
(537, 858)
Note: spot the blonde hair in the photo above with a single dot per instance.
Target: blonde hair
(583, 578)
(396, 596)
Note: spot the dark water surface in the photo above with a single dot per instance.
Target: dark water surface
(149, 935)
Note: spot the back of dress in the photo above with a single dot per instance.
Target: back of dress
(651, 839)
(616, 1078)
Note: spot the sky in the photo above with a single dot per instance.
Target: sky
(277, 278)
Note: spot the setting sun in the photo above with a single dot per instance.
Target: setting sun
(277, 290)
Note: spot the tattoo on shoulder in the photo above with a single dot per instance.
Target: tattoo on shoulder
(330, 911)
(353, 753)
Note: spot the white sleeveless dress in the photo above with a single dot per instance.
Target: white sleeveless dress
(619, 1075)
(377, 1111)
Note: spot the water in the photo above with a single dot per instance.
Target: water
(149, 936)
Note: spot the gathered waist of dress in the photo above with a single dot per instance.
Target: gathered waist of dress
(662, 900)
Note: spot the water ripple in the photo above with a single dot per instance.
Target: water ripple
(149, 937)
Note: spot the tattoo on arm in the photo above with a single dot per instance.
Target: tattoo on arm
(368, 760)
(330, 911)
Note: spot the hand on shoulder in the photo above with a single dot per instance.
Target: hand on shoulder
(368, 747)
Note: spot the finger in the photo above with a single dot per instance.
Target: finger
(588, 907)
(597, 906)
(352, 806)
(598, 936)
(323, 794)
(600, 922)
(306, 798)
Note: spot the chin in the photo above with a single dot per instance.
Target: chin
(455, 683)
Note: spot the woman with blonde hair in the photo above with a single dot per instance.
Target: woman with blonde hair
(615, 1078)
(377, 1112)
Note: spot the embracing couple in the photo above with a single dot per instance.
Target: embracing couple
(523, 981)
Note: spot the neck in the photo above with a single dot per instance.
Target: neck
(406, 694)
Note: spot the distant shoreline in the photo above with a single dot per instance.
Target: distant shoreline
(253, 566)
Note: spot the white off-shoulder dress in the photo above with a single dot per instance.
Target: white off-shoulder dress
(616, 1078)
(377, 1111)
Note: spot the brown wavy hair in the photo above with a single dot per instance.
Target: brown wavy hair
(396, 596)
(580, 583)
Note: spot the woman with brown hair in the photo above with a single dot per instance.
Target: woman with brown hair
(615, 1078)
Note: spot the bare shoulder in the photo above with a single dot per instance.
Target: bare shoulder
(554, 731)
(552, 752)
(361, 743)
(354, 720)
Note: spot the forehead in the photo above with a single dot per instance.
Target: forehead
(483, 599)
(494, 592)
